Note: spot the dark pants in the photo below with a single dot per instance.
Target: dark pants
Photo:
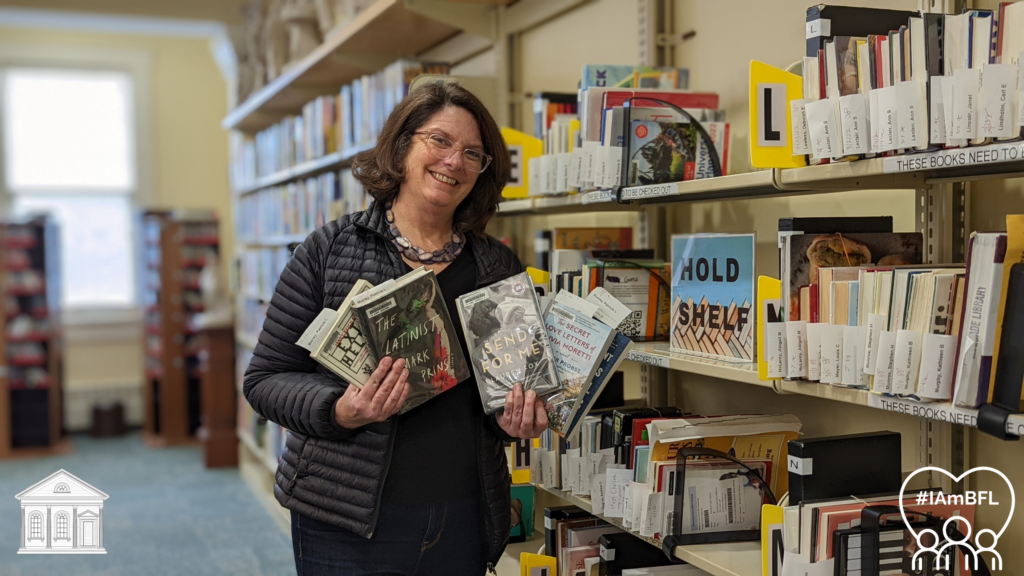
(444, 538)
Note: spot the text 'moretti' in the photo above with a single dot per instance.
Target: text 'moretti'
(713, 294)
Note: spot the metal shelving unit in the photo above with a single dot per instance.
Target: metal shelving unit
(728, 559)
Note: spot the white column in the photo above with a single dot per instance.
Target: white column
(49, 541)
(23, 526)
(100, 537)
(74, 529)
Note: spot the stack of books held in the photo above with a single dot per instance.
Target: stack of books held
(625, 462)
(619, 133)
(564, 351)
(884, 82)
(856, 308)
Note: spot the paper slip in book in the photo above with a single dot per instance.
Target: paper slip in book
(507, 340)
(407, 318)
(579, 343)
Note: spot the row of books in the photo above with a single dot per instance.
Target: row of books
(627, 463)
(35, 307)
(259, 271)
(886, 81)
(633, 277)
(348, 120)
(864, 312)
(31, 378)
(252, 314)
(836, 484)
(577, 543)
(25, 282)
(646, 143)
(268, 436)
(296, 208)
(618, 133)
(26, 327)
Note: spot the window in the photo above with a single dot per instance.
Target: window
(62, 525)
(36, 526)
(61, 488)
(69, 149)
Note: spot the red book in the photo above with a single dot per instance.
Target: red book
(813, 295)
(681, 99)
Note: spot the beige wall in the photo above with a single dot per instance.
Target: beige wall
(728, 36)
(189, 152)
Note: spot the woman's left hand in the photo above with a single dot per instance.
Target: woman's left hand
(524, 415)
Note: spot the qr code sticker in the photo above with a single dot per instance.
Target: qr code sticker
(632, 326)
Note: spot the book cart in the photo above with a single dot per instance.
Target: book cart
(176, 248)
(936, 433)
(31, 376)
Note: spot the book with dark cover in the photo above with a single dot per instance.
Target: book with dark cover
(836, 466)
(623, 551)
(825, 22)
(831, 225)
(507, 341)
(407, 318)
(554, 514)
(662, 152)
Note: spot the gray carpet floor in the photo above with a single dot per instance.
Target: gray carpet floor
(166, 515)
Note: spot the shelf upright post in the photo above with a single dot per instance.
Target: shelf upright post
(654, 19)
(940, 215)
(5, 394)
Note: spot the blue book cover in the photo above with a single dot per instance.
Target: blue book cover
(713, 295)
(612, 358)
(578, 343)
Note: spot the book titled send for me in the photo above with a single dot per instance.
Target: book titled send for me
(713, 294)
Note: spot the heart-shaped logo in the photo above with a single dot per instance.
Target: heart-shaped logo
(965, 538)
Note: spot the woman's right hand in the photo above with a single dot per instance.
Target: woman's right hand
(380, 398)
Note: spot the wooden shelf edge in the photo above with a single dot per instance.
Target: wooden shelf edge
(338, 159)
(256, 113)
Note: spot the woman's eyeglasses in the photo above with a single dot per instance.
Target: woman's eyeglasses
(442, 148)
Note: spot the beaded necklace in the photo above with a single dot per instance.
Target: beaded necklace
(450, 251)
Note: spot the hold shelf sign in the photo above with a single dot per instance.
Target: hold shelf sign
(955, 157)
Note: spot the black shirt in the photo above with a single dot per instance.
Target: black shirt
(435, 452)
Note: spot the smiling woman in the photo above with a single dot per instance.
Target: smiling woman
(371, 491)
(426, 142)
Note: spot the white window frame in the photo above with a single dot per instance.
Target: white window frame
(136, 64)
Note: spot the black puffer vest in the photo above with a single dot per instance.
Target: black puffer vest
(327, 472)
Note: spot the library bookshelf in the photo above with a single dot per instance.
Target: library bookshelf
(31, 377)
(939, 197)
(178, 245)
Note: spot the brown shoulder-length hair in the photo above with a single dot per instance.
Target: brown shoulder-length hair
(381, 170)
